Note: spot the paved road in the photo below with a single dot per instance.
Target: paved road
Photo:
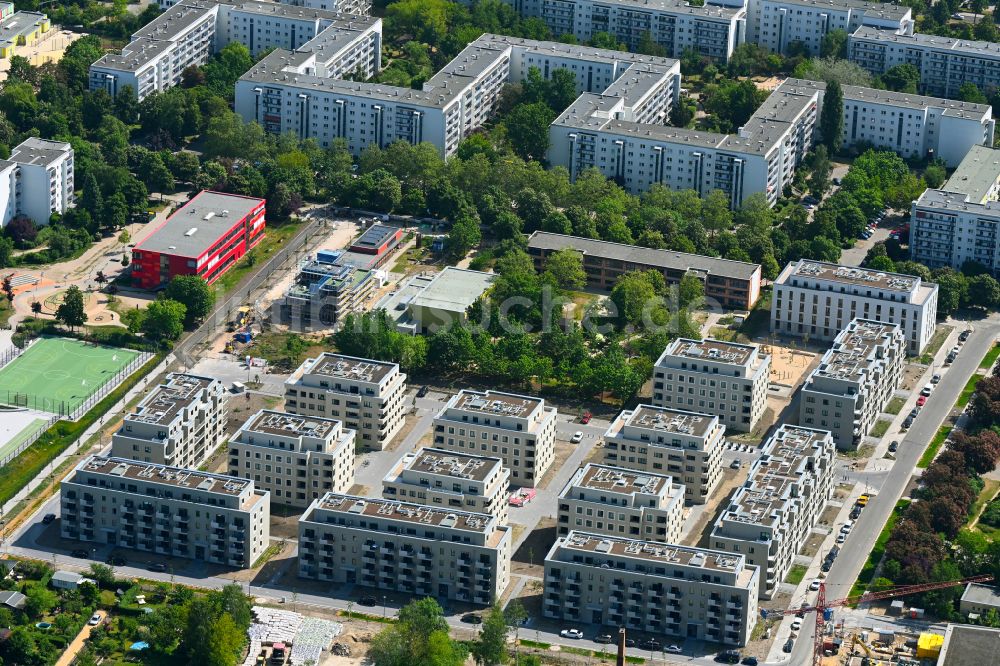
(867, 528)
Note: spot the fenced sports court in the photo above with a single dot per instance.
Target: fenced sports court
(63, 376)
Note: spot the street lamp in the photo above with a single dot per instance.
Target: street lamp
(383, 606)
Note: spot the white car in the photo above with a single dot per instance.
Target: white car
(796, 625)
(673, 649)
(571, 633)
(577, 437)
(927, 390)
(95, 619)
(841, 538)
(815, 585)
(846, 527)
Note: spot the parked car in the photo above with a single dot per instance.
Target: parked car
(842, 537)
(80, 553)
(577, 437)
(422, 391)
(855, 513)
(914, 412)
(749, 661)
(48, 518)
(158, 566)
(796, 624)
(863, 500)
(604, 639)
(787, 647)
(815, 584)
(585, 419)
(955, 350)
(368, 601)
(472, 618)
(736, 464)
(893, 446)
(95, 619)
(964, 335)
(927, 389)
(522, 496)
(116, 560)
(673, 649)
(827, 565)
(651, 644)
(846, 527)
(935, 379)
(571, 633)
(921, 401)
(907, 423)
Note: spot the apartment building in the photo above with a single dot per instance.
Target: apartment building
(178, 424)
(854, 381)
(677, 26)
(449, 480)
(817, 300)
(959, 222)
(778, 25)
(36, 181)
(663, 589)
(519, 429)
(621, 502)
(733, 284)
(20, 29)
(687, 445)
(169, 511)
(727, 379)
(357, 7)
(366, 396)
(191, 31)
(295, 458)
(944, 63)
(295, 92)
(389, 545)
(770, 516)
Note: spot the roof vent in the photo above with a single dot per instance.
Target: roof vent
(190, 232)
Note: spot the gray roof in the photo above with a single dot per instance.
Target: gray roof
(12, 599)
(175, 237)
(454, 289)
(965, 645)
(678, 7)
(68, 576)
(645, 256)
(20, 23)
(981, 594)
(976, 175)
(918, 39)
(39, 151)
(878, 9)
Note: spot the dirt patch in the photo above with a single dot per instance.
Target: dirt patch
(719, 499)
(285, 521)
(241, 407)
(912, 373)
(812, 545)
(410, 421)
(788, 365)
(563, 450)
(829, 515)
(529, 558)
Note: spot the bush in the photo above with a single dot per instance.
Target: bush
(991, 514)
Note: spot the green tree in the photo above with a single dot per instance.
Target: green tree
(564, 270)
(733, 102)
(984, 291)
(103, 575)
(902, 78)
(225, 644)
(690, 291)
(155, 175)
(882, 263)
(934, 175)
(194, 293)
(464, 236)
(969, 92)
(419, 637)
(490, 649)
(952, 289)
(636, 294)
(528, 130)
(39, 601)
(164, 320)
(71, 311)
(834, 44)
(819, 177)
(831, 120)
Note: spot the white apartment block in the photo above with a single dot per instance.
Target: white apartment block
(684, 444)
(298, 92)
(179, 423)
(169, 511)
(410, 548)
(190, 31)
(723, 378)
(854, 381)
(663, 589)
(945, 63)
(357, 7)
(367, 396)
(295, 458)
(770, 516)
(778, 24)
(449, 480)
(711, 30)
(960, 221)
(818, 300)
(620, 502)
(519, 429)
(36, 181)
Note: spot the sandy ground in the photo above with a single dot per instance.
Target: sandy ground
(788, 366)
(49, 49)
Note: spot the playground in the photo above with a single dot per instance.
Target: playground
(788, 365)
(59, 375)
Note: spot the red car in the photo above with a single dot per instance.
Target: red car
(921, 401)
(586, 417)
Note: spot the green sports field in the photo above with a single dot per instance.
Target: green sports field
(58, 374)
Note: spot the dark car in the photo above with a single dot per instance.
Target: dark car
(158, 566)
(827, 565)
(116, 560)
(728, 657)
(749, 661)
(964, 335)
(472, 618)
(855, 513)
(604, 638)
(422, 391)
(908, 422)
(914, 412)
(80, 552)
(48, 518)
(893, 446)
(651, 644)
(368, 601)
(787, 647)
(629, 642)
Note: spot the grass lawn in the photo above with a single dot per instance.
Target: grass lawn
(940, 335)
(274, 239)
(991, 357)
(273, 346)
(796, 574)
(409, 259)
(880, 428)
(934, 447)
(20, 437)
(58, 374)
(895, 406)
(871, 564)
(990, 488)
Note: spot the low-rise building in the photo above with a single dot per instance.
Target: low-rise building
(419, 550)
(296, 458)
(978, 600)
(733, 284)
(179, 423)
(621, 502)
(664, 589)
(366, 396)
(170, 511)
(449, 480)
(723, 378)
(431, 303)
(686, 445)
(770, 516)
(68, 580)
(20, 29)
(519, 429)
(817, 300)
(854, 381)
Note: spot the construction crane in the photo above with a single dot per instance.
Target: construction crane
(821, 604)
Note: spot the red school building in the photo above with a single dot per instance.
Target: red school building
(205, 237)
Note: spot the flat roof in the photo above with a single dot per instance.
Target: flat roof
(880, 9)
(453, 289)
(406, 512)
(495, 403)
(39, 151)
(968, 645)
(664, 419)
(976, 175)
(620, 480)
(634, 254)
(199, 224)
(710, 349)
(179, 477)
(273, 422)
(375, 237)
(348, 367)
(447, 463)
(853, 350)
(919, 39)
(654, 551)
(820, 270)
(977, 593)
(167, 400)
(20, 24)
